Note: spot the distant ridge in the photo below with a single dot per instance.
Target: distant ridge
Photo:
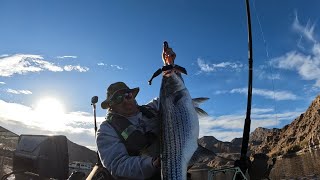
(9, 141)
(6, 133)
(81, 153)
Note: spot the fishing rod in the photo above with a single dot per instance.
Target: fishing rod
(244, 160)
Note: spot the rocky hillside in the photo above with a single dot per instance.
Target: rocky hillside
(80, 153)
(9, 141)
(303, 132)
(217, 146)
(260, 135)
(225, 152)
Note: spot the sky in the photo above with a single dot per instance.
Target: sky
(56, 55)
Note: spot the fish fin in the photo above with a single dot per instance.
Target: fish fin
(180, 69)
(201, 112)
(155, 74)
(197, 101)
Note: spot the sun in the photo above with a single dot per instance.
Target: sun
(49, 112)
(49, 105)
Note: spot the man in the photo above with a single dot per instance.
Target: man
(128, 141)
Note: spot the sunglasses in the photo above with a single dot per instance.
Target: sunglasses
(119, 97)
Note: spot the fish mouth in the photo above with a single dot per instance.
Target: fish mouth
(168, 57)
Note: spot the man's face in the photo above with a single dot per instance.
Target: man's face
(124, 103)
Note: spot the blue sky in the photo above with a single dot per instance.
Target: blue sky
(56, 55)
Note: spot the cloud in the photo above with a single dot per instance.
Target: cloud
(306, 31)
(113, 66)
(28, 63)
(62, 57)
(206, 67)
(276, 95)
(4, 55)
(306, 65)
(220, 92)
(45, 65)
(116, 66)
(2, 83)
(262, 73)
(230, 126)
(27, 92)
(77, 126)
(76, 68)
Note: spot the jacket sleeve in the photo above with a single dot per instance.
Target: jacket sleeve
(116, 159)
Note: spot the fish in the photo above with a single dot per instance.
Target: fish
(179, 122)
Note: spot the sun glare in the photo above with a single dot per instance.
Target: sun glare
(49, 112)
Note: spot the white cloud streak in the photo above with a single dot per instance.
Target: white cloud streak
(306, 31)
(63, 57)
(276, 95)
(206, 67)
(113, 66)
(228, 127)
(12, 91)
(28, 63)
(263, 74)
(75, 68)
(117, 67)
(2, 83)
(306, 65)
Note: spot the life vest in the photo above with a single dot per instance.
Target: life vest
(135, 140)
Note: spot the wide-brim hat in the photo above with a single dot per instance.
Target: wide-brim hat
(114, 89)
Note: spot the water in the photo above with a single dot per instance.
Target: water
(303, 166)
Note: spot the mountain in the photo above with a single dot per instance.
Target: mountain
(217, 146)
(260, 139)
(81, 153)
(9, 141)
(225, 153)
(260, 134)
(302, 133)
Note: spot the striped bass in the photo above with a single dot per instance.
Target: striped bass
(179, 120)
(179, 127)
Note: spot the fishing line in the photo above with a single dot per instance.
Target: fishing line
(267, 54)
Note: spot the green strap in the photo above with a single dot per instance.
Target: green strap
(127, 132)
